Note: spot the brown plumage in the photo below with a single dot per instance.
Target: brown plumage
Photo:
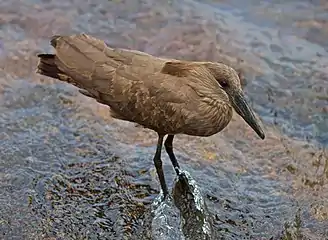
(166, 95)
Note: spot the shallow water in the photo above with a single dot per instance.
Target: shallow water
(69, 171)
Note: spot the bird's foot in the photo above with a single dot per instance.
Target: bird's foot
(182, 176)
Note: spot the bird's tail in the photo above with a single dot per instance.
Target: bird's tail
(48, 67)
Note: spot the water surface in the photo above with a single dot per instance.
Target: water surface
(69, 171)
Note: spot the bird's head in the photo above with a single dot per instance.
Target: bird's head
(229, 82)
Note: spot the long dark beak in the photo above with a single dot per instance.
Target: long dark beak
(243, 109)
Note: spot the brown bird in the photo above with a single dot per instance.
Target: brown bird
(168, 96)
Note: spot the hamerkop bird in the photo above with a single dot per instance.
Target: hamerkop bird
(168, 96)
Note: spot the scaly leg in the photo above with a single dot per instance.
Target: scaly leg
(169, 149)
(158, 165)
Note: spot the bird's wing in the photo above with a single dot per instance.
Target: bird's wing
(96, 50)
(152, 99)
(131, 57)
(82, 51)
(85, 60)
(178, 68)
(194, 74)
(175, 82)
(83, 57)
(136, 81)
(117, 74)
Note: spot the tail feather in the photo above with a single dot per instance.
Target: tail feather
(47, 66)
(82, 61)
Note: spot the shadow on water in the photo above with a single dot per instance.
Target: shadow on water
(69, 171)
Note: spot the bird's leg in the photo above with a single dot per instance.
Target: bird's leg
(158, 165)
(169, 149)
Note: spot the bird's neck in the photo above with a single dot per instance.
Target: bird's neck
(225, 114)
(217, 112)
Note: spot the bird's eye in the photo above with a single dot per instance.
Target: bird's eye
(223, 84)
